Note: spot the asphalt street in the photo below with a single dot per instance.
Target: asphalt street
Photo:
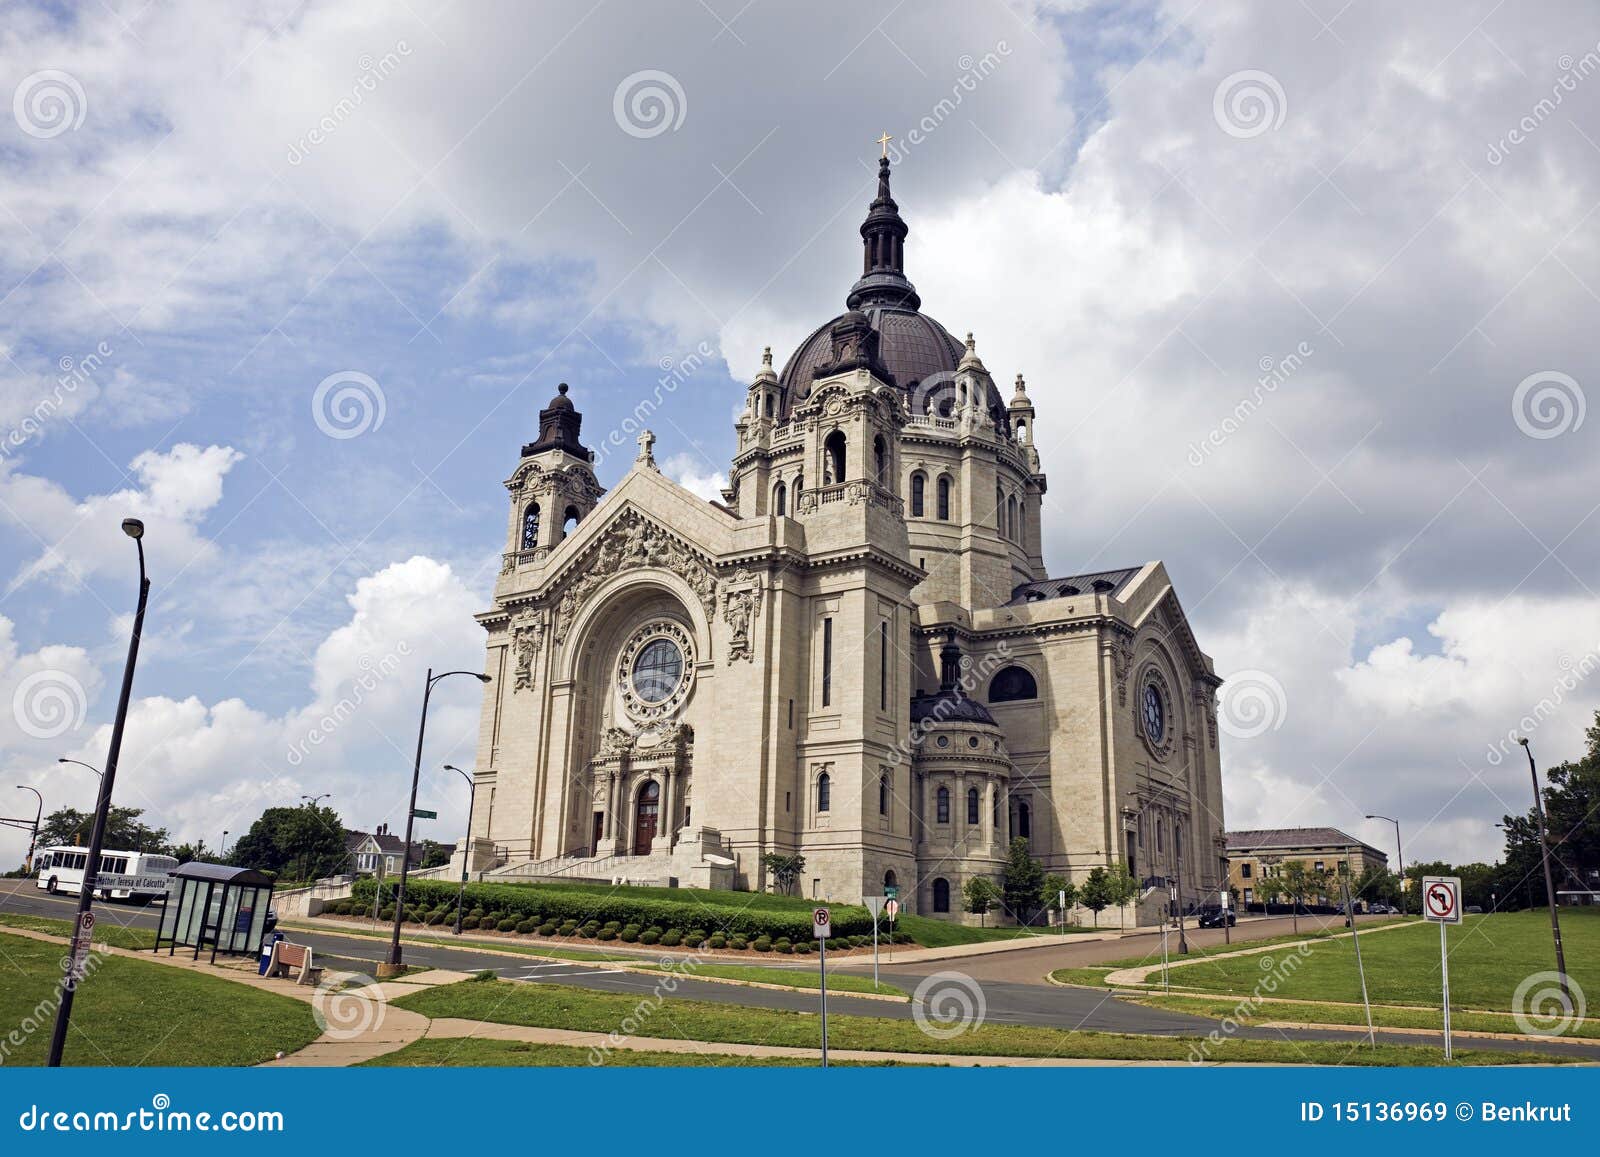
(1007, 999)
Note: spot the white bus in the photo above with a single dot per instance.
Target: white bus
(61, 870)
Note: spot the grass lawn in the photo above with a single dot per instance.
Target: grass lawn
(104, 932)
(466, 1052)
(133, 1012)
(788, 977)
(562, 1006)
(1382, 1016)
(1489, 957)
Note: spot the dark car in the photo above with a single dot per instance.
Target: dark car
(1216, 917)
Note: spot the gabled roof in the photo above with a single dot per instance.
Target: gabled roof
(1296, 839)
(1069, 586)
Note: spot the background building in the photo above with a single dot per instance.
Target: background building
(1253, 855)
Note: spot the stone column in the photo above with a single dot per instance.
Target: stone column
(958, 819)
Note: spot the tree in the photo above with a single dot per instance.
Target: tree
(435, 854)
(1024, 877)
(1571, 796)
(784, 869)
(978, 895)
(301, 842)
(125, 831)
(1377, 885)
(1095, 893)
(1269, 888)
(1123, 890)
(1058, 893)
(1297, 882)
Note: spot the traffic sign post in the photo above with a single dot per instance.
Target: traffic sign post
(891, 909)
(1441, 903)
(875, 906)
(822, 928)
(1227, 910)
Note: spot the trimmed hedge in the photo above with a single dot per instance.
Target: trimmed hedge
(581, 906)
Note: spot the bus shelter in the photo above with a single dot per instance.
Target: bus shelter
(216, 906)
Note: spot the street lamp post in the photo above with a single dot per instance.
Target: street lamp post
(1549, 881)
(1399, 858)
(83, 928)
(311, 801)
(223, 851)
(466, 850)
(33, 840)
(392, 967)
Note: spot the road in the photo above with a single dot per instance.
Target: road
(1006, 1000)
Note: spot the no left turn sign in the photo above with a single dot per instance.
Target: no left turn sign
(1441, 899)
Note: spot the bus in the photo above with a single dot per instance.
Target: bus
(61, 870)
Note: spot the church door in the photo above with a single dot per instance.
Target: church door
(645, 815)
(599, 833)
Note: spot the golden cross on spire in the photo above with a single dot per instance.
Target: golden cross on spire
(884, 141)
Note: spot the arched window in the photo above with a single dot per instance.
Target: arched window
(941, 895)
(769, 405)
(943, 498)
(833, 458)
(883, 794)
(1012, 684)
(530, 526)
(569, 520)
(880, 462)
(780, 499)
(942, 806)
(824, 792)
(1012, 518)
(1000, 512)
(1024, 821)
(972, 806)
(799, 488)
(890, 880)
(1022, 431)
(919, 486)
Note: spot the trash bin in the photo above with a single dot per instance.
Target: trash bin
(267, 942)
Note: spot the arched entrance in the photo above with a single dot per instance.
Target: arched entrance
(646, 813)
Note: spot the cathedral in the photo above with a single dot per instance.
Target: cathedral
(856, 657)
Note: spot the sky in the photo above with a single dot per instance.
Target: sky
(1305, 296)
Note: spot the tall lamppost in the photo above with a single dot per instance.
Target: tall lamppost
(1549, 881)
(33, 841)
(311, 801)
(223, 850)
(466, 850)
(392, 967)
(1399, 858)
(83, 927)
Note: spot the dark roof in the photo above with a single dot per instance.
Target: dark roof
(949, 707)
(387, 842)
(559, 426)
(1280, 839)
(919, 355)
(222, 874)
(1068, 586)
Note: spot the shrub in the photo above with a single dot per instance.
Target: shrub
(695, 937)
(589, 930)
(718, 940)
(568, 927)
(607, 934)
(630, 934)
(613, 925)
(488, 922)
(524, 927)
(802, 947)
(649, 936)
(475, 912)
(781, 944)
(762, 944)
(671, 938)
(386, 912)
(438, 917)
(738, 943)
(547, 929)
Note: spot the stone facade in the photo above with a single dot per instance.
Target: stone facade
(856, 656)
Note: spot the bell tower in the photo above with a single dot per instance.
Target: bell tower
(553, 487)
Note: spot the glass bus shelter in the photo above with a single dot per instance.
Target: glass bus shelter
(215, 906)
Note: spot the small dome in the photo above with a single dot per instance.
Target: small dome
(949, 707)
(560, 401)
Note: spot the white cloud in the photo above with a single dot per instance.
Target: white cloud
(691, 472)
(175, 491)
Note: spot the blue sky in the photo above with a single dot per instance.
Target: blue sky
(485, 215)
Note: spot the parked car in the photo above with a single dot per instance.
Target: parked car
(1380, 909)
(1474, 910)
(1216, 917)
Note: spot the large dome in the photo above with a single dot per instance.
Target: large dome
(912, 346)
(920, 355)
